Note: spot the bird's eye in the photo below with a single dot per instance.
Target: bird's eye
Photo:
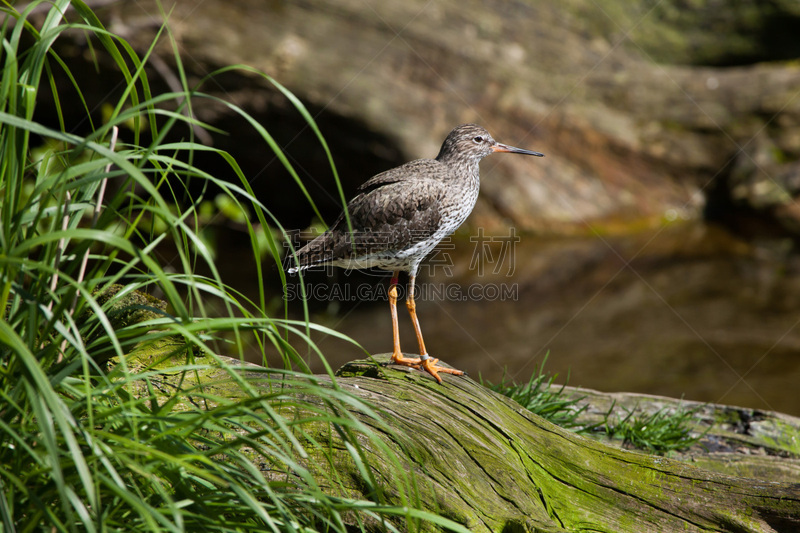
(478, 139)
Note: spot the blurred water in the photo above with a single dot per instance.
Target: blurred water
(684, 311)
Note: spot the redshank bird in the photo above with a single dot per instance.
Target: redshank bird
(400, 215)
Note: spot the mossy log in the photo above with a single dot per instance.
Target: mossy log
(482, 460)
(738, 441)
(491, 464)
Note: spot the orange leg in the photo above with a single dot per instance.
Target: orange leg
(397, 355)
(427, 363)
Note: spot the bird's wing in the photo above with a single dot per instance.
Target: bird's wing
(411, 171)
(393, 215)
(393, 211)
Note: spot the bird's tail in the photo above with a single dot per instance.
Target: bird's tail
(317, 252)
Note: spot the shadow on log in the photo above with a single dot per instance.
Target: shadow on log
(484, 461)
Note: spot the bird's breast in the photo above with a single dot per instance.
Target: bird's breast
(459, 202)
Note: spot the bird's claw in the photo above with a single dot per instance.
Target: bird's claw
(428, 365)
(398, 359)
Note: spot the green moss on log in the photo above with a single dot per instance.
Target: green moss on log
(482, 460)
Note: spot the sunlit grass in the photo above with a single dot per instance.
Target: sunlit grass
(92, 438)
(540, 397)
(660, 432)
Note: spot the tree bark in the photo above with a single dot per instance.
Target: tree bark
(490, 464)
(484, 461)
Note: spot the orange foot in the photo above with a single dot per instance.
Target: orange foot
(398, 359)
(428, 365)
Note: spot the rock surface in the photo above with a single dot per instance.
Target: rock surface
(643, 111)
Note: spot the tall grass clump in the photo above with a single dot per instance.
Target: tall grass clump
(92, 438)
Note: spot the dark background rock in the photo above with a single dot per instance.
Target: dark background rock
(640, 108)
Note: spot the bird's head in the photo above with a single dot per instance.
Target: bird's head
(473, 142)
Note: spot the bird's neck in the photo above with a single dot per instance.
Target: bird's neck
(473, 173)
(463, 168)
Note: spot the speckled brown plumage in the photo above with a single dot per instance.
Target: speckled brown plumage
(388, 216)
(399, 216)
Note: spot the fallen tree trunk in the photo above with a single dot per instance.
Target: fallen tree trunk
(490, 463)
(482, 460)
(737, 441)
